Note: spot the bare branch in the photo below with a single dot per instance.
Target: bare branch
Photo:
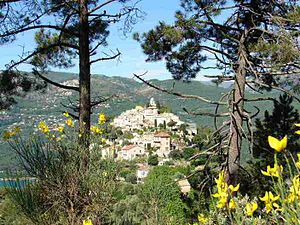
(106, 58)
(177, 93)
(37, 73)
(41, 50)
(276, 88)
(14, 32)
(206, 114)
(102, 100)
(100, 6)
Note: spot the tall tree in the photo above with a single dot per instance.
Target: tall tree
(278, 124)
(249, 42)
(66, 31)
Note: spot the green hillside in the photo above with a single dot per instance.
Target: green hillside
(47, 105)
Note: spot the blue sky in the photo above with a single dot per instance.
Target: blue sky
(132, 59)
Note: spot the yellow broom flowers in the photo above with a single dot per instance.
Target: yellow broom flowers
(277, 145)
(251, 207)
(87, 222)
(270, 201)
(70, 122)
(273, 172)
(102, 119)
(297, 125)
(43, 127)
(224, 192)
(202, 219)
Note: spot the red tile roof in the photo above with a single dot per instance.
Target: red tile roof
(162, 134)
(128, 147)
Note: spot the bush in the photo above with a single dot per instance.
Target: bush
(131, 178)
(72, 182)
(188, 153)
(175, 154)
(153, 160)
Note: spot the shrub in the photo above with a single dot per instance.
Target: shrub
(72, 182)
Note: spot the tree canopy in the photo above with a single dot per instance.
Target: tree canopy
(250, 42)
(66, 32)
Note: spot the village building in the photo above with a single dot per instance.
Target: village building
(142, 123)
(129, 152)
(142, 172)
(184, 186)
(162, 141)
(144, 117)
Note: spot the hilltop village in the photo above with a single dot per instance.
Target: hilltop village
(149, 136)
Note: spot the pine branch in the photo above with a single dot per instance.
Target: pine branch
(177, 93)
(35, 72)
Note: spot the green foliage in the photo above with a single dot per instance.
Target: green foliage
(176, 154)
(153, 160)
(131, 178)
(130, 211)
(188, 153)
(278, 124)
(13, 84)
(164, 109)
(160, 190)
(66, 191)
(127, 135)
(11, 214)
(171, 123)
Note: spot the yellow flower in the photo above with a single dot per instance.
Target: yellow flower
(70, 122)
(104, 173)
(43, 127)
(7, 135)
(223, 192)
(273, 172)
(96, 130)
(269, 200)
(298, 163)
(232, 204)
(60, 128)
(277, 145)
(102, 119)
(66, 114)
(251, 208)
(234, 189)
(297, 125)
(202, 219)
(16, 130)
(294, 190)
(222, 202)
(87, 222)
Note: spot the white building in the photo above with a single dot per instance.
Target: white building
(142, 172)
(162, 141)
(144, 117)
(129, 152)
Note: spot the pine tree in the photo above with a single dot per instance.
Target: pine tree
(65, 31)
(247, 41)
(278, 124)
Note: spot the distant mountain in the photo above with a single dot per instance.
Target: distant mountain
(48, 104)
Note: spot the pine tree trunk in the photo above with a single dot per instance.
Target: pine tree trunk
(84, 75)
(235, 142)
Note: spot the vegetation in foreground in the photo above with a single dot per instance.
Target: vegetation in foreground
(68, 192)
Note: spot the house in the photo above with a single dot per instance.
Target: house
(142, 172)
(184, 186)
(162, 141)
(129, 152)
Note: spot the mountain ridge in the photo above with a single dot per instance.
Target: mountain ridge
(47, 105)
